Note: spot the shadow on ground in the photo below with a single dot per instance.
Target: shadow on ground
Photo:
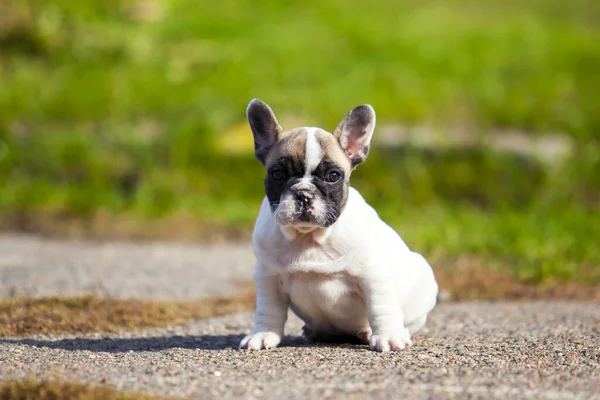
(122, 345)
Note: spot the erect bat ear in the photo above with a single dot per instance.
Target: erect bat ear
(355, 131)
(265, 128)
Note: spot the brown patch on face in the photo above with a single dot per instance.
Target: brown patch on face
(333, 151)
(292, 144)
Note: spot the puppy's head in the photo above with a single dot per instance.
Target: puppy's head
(308, 169)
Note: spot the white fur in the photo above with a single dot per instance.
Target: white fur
(361, 277)
(313, 152)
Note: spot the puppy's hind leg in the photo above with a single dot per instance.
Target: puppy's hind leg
(416, 324)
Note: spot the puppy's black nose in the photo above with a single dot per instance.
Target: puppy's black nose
(304, 197)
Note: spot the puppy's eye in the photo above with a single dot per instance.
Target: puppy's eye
(277, 174)
(333, 176)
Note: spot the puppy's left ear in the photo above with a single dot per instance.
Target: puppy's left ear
(355, 132)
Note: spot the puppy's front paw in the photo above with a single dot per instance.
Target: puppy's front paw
(260, 340)
(393, 342)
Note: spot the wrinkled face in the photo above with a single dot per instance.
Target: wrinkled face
(307, 178)
(308, 169)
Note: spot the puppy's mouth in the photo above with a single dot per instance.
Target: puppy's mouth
(304, 223)
(302, 217)
(306, 216)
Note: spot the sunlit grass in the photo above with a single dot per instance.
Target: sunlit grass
(530, 65)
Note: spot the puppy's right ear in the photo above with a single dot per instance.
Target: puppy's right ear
(265, 128)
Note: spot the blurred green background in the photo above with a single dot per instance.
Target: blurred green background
(126, 118)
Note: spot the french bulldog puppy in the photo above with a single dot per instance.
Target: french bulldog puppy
(322, 250)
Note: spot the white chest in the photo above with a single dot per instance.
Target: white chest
(326, 300)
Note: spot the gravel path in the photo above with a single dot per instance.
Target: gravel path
(537, 350)
(31, 266)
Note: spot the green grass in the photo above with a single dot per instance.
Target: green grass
(526, 65)
(105, 111)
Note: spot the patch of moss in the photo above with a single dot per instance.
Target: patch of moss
(50, 390)
(475, 278)
(81, 315)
